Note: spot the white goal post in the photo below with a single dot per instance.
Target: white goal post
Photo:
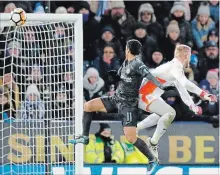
(76, 20)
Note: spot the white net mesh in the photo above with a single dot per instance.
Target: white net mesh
(37, 98)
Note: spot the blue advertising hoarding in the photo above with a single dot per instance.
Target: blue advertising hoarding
(110, 170)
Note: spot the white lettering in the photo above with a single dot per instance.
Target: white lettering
(58, 171)
(126, 79)
(86, 171)
(132, 171)
(170, 171)
(107, 171)
(203, 171)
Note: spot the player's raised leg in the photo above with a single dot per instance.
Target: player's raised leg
(90, 108)
(167, 113)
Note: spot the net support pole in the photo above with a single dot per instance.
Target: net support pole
(79, 148)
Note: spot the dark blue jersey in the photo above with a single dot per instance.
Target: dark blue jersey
(131, 74)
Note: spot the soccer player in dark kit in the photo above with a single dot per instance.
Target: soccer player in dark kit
(125, 100)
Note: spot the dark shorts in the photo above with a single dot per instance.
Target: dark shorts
(127, 114)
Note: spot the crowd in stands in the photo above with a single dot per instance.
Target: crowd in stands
(107, 25)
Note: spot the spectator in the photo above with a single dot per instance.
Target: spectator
(61, 10)
(120, 19)
(61, 109)
(6, 109)
(11, 88)
(214, 10)
(132, 154)
(208, 59)
(61, 40)
(146, 16)
(172, 38)
(32, 107)
(38, 8)
(68, 82)
(187, 10)
(148, 43)
(213, 35)
(13, 63)
(211, 85)
(99, 8)
(194, 67)
(103, 148)
(35, 76)
(108, 37)
(92, 84)
(30, 45)
(157, 58)
(89, 25)
(161, 9)
(9, 7)
(108, 61)
(201, 25)
(178, 13)
(189, 73)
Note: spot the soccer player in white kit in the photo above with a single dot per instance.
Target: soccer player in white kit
(150, 100)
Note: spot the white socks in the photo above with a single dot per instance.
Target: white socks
(162, 126)
(148, 122)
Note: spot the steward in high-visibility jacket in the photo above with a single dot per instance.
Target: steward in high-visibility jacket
(103, 148)
(132, 154)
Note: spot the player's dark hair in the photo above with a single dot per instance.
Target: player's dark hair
(134, 46)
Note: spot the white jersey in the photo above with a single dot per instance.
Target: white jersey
(170, 73)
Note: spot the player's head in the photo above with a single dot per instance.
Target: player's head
(133, 47)
(183, 52)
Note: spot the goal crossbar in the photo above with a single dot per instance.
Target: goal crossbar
(78, 30)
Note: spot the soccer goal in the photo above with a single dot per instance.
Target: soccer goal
(41, 95)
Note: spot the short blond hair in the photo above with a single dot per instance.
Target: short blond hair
(181, 48)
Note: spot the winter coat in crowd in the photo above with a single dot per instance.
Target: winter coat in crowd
(213, 35)
(101, 43)
(33, 106)
(154, 29)
(149, 44)
(214, 11)
(207, 62)
(121, 26)
(211, 85)
(7, 111)
(102, 149)
(103, 65)
(168, 46)
(161, 9)
(61, 106)
(90, 24)
(92, 89)
(185, 29)
(199, 30)
(155, 62)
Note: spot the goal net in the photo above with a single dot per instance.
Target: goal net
(41, 95)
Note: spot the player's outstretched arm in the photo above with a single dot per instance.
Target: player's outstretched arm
(191, 87)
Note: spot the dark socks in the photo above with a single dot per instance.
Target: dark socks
(87, 120)
(141, 145)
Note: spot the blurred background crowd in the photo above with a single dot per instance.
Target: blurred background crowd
(107, 25)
